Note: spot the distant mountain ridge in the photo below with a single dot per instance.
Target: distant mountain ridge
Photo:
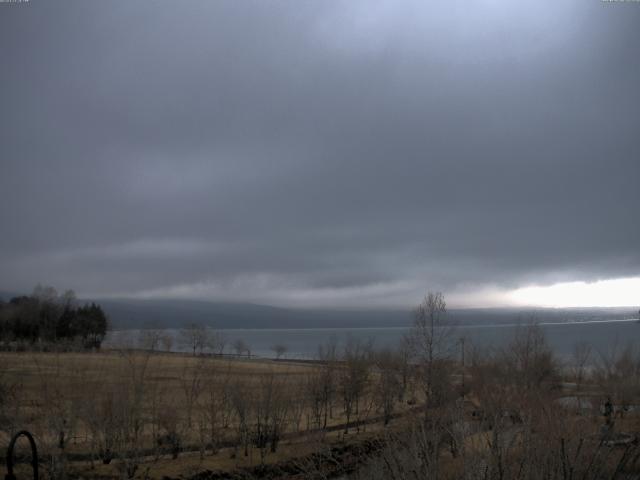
(127, 313)
(177, 313)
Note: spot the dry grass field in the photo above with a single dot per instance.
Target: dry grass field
(184, 413)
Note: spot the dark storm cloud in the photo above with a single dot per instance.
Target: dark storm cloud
(317, 152)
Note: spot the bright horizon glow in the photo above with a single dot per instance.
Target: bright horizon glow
(620, 292)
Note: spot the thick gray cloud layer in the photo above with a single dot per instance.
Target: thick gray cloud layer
(303, 152)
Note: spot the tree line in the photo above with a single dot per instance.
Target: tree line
(47, 318)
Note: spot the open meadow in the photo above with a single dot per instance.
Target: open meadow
(135, 412)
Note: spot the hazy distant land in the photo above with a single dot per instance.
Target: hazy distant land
(135, 314)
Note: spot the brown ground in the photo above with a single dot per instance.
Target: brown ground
(53, 385)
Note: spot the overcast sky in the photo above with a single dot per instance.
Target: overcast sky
(318, 153)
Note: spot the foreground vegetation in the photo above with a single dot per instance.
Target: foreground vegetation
(419, 411)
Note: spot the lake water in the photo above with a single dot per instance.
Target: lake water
(603, 336)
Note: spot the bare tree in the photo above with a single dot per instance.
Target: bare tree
(68, 299)
(149, 339)
(129, 405)
(279, 349)
(353, 378)
(192, 384)
(432, 342)
(241, 347)
(58, 409)
(10, 406)
(194, 337)
(166, 340)
(387, 383)
(170, 441)
(315, 394)
(618, 373)
(299, 403)
(403, 366)
(327, 380)
(530, 358)
(216, 342)
(269, 413)
(215, 403)
(240, 399)
(580, 360)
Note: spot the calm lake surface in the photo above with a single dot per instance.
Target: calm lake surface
(604, 336)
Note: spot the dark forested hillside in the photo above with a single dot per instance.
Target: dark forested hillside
(46, 317)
